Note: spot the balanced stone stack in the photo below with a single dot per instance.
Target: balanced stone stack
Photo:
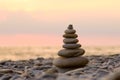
(71, 55)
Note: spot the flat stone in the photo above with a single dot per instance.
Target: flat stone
(71, 46)
(70, 35)
(70, 62)
(71, 52)
(6, 71)
(52, 70)
(63, 70)
(70, 40)
(70, 31)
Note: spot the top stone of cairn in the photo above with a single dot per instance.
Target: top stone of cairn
(70, 30)
(70, 26)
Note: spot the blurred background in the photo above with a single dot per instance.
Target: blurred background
(35, 27)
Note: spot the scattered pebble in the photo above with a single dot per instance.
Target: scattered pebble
(99, 68)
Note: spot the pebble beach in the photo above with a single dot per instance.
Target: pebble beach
(99, 68)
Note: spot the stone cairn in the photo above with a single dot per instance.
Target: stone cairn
(71, 56)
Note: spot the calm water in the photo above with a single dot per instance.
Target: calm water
(17, 53)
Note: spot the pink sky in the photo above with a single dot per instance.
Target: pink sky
(29, 40)
(35, 22)
(54, 40)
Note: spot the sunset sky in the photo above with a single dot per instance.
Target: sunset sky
(42, 22)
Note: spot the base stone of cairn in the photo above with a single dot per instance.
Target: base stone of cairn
(71, 56)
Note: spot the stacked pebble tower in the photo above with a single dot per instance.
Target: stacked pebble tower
(71, 55)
